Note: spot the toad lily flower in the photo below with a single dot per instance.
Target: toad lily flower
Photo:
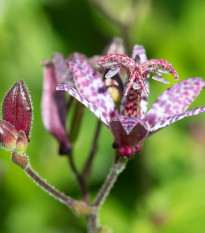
(132, 125)
(136, 69)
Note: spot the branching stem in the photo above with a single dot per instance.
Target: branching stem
(88, 163)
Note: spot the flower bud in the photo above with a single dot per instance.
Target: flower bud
(8, 135)
(17, 108)
(21, 142)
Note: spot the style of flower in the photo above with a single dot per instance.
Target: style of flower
(132, 125)
(137, 70)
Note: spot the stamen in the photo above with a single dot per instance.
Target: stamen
(108, 64)
(112, 72)
(160, 79)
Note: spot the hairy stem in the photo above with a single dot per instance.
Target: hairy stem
(48, 188)
(118, 167)
(88, 163)
(92, 223)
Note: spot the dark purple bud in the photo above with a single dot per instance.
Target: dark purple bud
(54, 109)
(17, 108)
(8, 135)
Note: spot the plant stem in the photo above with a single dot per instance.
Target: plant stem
(88, 163)
(70, 101)
(118, 167)
(48, 188)
(92, 223)
(79, 178)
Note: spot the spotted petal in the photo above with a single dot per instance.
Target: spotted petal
(139, 50)
(101, 113)
(175, 100)
(61, 70)
(91, 86)
(128, 131)
(169, 120)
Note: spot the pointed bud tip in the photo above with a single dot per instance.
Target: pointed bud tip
(17, 108)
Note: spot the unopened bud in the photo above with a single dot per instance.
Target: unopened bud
(17, 108)
(20, 160)
(21, 142)
(8, 135)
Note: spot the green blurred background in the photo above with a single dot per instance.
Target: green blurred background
(163, 188)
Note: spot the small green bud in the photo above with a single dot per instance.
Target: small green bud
(21, 142)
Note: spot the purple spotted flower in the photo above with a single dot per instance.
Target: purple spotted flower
(131, 125)
(54, 107)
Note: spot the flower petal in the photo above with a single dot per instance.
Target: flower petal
(101, 113)
(54, 108)
(128, 131)
(169, 120)
(175, 100)
(139, 50)
(116, 46)
(61, 69)
(91, 86)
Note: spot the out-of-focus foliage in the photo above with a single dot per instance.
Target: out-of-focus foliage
(163, 188)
